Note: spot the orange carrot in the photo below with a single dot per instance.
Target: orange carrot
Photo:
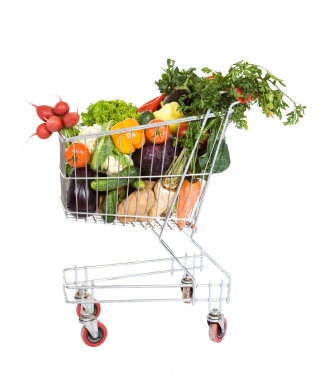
(188, 196)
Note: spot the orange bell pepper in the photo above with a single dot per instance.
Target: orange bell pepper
(123, 141)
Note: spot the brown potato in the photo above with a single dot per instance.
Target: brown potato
(131, 204)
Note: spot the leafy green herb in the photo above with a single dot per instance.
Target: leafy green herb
(104, 111)
(206, 94)
(173, 78)
(203, 93)
(223, 158)
(250, 79)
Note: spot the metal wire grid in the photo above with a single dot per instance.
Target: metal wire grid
(84, 281)
(169, 220)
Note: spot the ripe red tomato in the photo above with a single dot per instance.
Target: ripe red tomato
(182, 128)
(159, 134)
(80, 160)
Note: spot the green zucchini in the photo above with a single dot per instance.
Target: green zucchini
(110, 206)
(101, 185)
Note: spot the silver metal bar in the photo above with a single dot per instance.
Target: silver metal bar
(142, 144)
(132, 129)
(127, 192)
(142, 286)
(148, 300)
(162, 242)
(184, 175)
(75, 187)
(105, 218)
(128, 177)
(76, 276)
(86, 276)
(97, 173)
(214, 263)
(86, 183)
(229, 113)
(221, 296)
(136, 275)
(210, 295)
(133, 215)
(127, 263)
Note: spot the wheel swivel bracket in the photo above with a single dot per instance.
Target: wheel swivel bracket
(91, 324)
(215, 316)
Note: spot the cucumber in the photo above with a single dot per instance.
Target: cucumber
(122, 196)
(110, 206)
(101, 185)
(145, 117)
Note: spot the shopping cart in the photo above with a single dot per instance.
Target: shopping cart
(83, 284)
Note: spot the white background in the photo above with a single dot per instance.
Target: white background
(262, 219)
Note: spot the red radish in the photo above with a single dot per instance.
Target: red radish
(43, 111)
(54, 124)
(71, 119)
(42, 132)
(61, 108)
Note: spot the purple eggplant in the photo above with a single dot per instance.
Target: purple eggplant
(175, 95)
(80, 196)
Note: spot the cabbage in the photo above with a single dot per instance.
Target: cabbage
(152, 158)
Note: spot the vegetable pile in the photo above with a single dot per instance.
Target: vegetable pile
(57, 119)
(133, 176)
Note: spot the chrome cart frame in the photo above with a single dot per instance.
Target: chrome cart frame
(85, 283)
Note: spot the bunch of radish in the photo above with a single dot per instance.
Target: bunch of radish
(56, 118)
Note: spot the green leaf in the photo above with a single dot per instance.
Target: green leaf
(206, 70)
(105, 147)
(222, 161)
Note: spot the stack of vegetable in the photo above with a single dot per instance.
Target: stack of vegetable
(134, 175)
(57, 119)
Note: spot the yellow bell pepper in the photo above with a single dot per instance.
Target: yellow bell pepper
(123, 141)
(169, 112)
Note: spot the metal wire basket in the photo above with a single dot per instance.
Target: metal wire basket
(168, 219)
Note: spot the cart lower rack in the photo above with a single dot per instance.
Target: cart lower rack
(87, 290)
(88, 284)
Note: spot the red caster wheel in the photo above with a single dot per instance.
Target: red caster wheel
(94, 342)
(97, 309)
(215, 331)
(187, 293)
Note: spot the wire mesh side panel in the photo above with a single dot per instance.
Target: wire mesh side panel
(136, 176)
